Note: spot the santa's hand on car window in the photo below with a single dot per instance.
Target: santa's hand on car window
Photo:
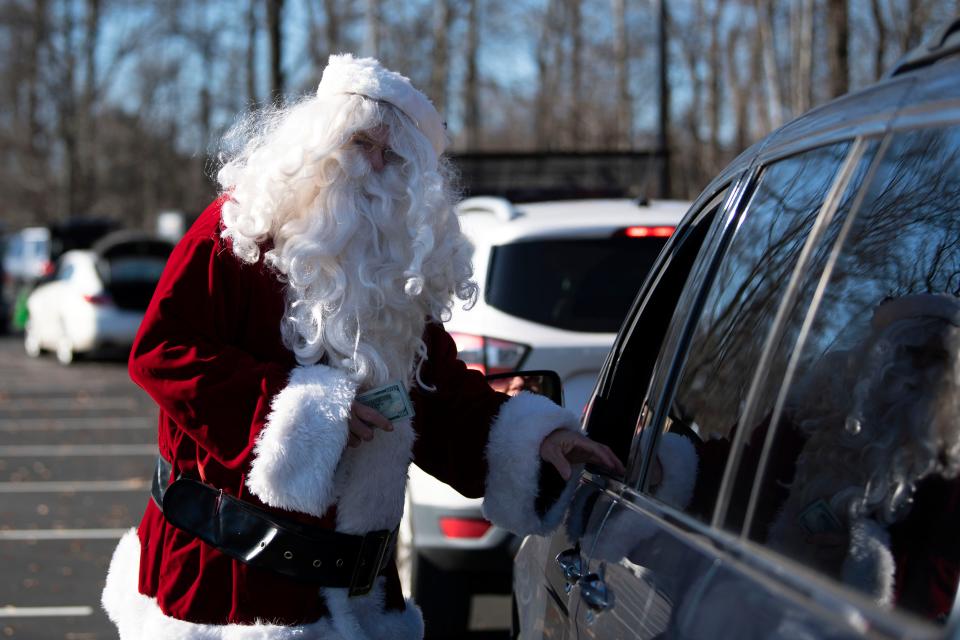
(564, 448)
(363, 421)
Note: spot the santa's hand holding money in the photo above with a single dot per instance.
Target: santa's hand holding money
(363, 420)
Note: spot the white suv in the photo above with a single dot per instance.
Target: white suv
(556, 280)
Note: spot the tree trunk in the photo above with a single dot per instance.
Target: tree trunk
(472, 89)
(740, 93)
(252, 97)
(275, 27)
(621, 61)
(838, 38)
(663, 136)
(439, 74)
(333, 25)
(770, 72)
(803, 46)
(88, 127)
(880, 25)
(578, 125)
(371, 44)
(543, 122)
(714, 91)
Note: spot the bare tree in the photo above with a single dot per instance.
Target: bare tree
(765, 40)
(577, 106)
(838, 43)
(472, 121)
(621, 61)
(440, 72)
(802, 39)
(252, 22)
(371, 45)
(275, 29)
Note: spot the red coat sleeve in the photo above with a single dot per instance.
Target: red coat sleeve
(186, 355)
(453, 423)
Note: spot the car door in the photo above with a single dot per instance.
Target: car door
(657, 554)
(547, 568)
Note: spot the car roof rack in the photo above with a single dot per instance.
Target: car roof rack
(501, 208)
(944, 43)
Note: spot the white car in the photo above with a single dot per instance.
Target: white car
(556, 280)
(96, 298)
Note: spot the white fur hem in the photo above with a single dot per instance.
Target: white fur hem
(679, 461)
(869, 565)
(138, 617)
(300, 446)
(513, 459)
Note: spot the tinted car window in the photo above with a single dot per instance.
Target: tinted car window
(740, 307)
(861, 479)
(578, 285)
(614, 411)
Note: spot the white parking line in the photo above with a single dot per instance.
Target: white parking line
(21, 535)
(75, 486)
(43, 612)
(70, 450)
(73, 424)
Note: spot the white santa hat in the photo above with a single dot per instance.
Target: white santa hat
(367, 77)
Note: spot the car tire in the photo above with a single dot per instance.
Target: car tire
(65, 353)
(31, 344)
(444, 599)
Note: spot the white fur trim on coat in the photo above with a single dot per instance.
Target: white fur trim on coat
(138, 617)
(366, 76)
(298, 450)
(679, 461)
(513, 460)
(869, 565)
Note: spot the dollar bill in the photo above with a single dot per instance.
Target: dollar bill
(390, 400)
(819, 518)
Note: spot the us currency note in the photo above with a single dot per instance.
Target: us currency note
(391, 400)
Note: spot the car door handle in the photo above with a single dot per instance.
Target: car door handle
(571, 564)
(594, 592)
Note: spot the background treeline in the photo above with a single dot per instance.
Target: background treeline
(114, 107)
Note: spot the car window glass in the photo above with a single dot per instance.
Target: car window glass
(613, 415)
(861, 480)
(582, 284)
(738, 311)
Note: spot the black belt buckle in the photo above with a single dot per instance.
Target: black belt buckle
(369, 560)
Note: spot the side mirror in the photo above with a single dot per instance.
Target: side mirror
(544, 383)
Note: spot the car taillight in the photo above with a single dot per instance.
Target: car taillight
(464, 527)
(99, 299)
(489, 355)
(646, 232)
(47, 269)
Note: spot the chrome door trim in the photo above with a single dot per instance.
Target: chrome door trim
(748, 417)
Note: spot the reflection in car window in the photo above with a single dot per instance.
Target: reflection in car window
(861, 480)
(738, 311)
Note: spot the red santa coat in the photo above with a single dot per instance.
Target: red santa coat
(234, 406)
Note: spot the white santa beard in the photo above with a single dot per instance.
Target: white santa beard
(349, 304)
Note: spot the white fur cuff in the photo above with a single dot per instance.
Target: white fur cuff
(679, 461)
(513, 459)
(300, 446)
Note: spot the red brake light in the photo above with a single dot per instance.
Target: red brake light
(488, 355)
(99, 299)
(648, 232)
(464, 527)
(47, 269)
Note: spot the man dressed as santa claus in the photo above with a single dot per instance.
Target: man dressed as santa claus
(323, 271)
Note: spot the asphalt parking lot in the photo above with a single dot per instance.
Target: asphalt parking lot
(76, 451)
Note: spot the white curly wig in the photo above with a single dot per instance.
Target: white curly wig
(367, 256)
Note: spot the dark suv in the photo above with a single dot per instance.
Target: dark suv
(786, 393)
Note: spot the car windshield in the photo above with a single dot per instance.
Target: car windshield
(573, 284)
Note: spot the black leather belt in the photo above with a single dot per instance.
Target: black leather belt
(262, 539)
